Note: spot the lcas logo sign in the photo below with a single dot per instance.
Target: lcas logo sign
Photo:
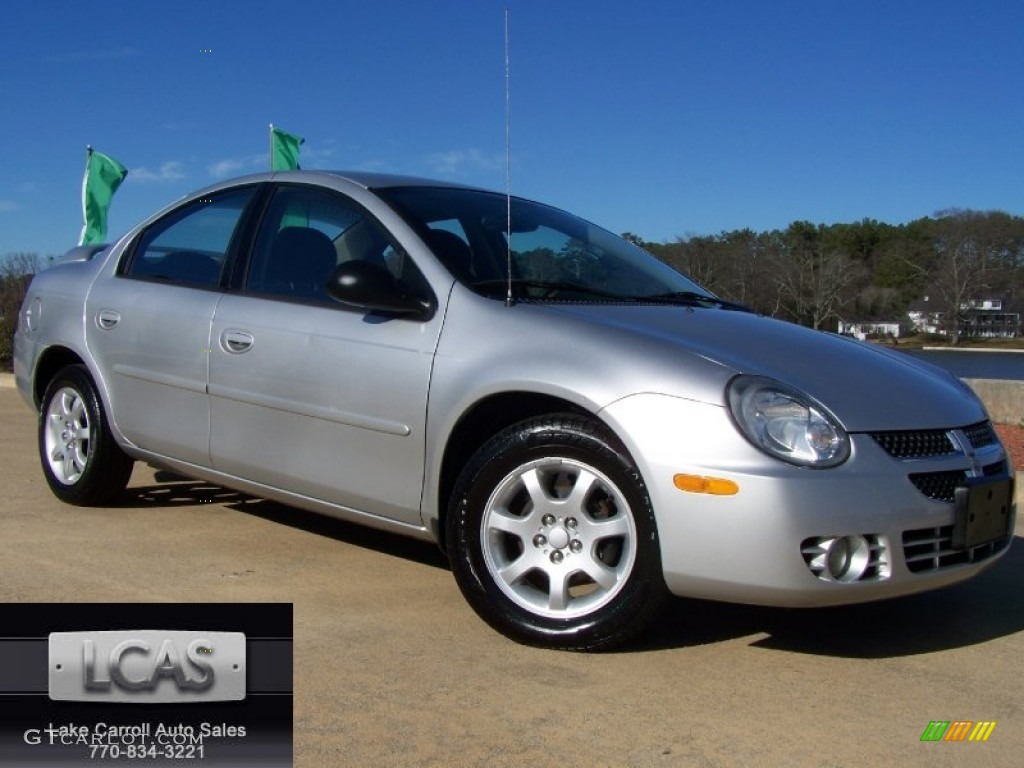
(147, 666)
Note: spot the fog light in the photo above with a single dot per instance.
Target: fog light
(846, 557)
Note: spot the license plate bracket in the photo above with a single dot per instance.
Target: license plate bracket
(983, 506)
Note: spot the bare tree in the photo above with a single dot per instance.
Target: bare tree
(16, 272)
(748, 270)
(813, 280)
(962, 267)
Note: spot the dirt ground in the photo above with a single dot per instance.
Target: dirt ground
(393, 669)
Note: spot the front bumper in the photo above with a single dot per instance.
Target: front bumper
(758, 546)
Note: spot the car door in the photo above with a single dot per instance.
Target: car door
(308, 395)
(148, 326)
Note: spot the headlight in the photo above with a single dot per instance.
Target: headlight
(786, 423)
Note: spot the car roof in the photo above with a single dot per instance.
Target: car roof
(369, 180)
(365, 179)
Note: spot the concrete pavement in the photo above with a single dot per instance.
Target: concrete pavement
(392, 668)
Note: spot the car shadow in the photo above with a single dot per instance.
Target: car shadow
(174, 490)
(985, 608)
(982, 609)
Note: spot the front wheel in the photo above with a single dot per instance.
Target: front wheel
(553, 539)
(82, 463)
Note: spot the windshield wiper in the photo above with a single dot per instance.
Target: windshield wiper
(550, 287)
(692, 299)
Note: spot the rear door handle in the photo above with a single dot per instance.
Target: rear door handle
(107, 319)
(236, 342)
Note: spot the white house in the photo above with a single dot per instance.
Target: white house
(864, 328)
(993, 318)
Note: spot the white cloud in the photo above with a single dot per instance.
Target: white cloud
(172, 170)
(233, 166)
(225, 168)
(458, 162)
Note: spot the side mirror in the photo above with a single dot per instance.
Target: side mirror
(370, 286)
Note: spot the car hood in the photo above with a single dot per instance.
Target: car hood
(867, 388)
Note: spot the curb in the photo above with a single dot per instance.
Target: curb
(1003, 399)
(997, 350)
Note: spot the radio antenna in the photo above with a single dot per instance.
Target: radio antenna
(508, 169)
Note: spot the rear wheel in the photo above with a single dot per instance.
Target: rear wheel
(553, 539)
(81, 462)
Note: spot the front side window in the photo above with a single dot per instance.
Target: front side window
(190, 246)
(305, 234)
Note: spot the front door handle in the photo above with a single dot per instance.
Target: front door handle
(236, 342)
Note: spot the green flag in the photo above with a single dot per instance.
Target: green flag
(103, 175)
(284, 150)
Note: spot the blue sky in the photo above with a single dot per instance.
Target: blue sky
(665, 118)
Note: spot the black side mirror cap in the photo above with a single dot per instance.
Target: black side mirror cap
(370, 286)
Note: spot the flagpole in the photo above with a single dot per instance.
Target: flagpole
(508, 168)
(85, 184)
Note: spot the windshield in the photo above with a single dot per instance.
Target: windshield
(555, 256)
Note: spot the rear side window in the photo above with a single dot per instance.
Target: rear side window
(190, 245)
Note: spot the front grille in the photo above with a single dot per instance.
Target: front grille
(916, 444)
(994, 470)
(925, 443)
(931, 549)
(981, 434)
(940, 486)
(938, 443)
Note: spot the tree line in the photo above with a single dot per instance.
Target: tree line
(812, 274)
(817, 274)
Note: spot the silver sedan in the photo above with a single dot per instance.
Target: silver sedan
(581, 428)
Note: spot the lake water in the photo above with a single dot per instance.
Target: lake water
(976, 365)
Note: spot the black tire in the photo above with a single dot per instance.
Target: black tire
(552, 536)
(81, 462)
